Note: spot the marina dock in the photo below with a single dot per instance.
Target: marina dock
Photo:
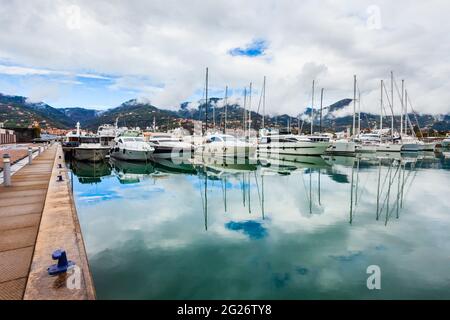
(37, 217)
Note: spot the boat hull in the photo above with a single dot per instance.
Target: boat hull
(342, 148)
(389, 147)
(131, 155)
(297, 148)
(366, 148)
(88, 154)
(427, 146)
(167, 152)
(227, 151)
(411, 147)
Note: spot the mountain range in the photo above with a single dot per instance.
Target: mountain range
(18, 111)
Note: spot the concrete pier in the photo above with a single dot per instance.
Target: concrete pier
(38, 216)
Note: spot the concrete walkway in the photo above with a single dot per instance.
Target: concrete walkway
(21, 208)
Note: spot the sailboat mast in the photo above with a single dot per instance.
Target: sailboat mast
(359, 112)
(312, 107)
(392, 105)
(225, 101)
(403, 107)
(354, 105)
(381, 107)
(406, 113)
(249, 110)
(206, 102)
(264, 102)
(245, 112)
(321, 105)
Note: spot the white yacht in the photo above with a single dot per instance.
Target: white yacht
(293, 145)
(130, 145)
(427, 146)
(410, 144)
(224, 145)
(167, 146)
(342, 147)
(446, 142)
(107, 133)
(90, 149)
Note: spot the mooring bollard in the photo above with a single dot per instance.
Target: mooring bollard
(30, 156)
(6, 170)
(62, 265)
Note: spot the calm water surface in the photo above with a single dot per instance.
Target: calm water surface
(299, 229)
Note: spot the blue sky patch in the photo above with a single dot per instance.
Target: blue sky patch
(253, 49)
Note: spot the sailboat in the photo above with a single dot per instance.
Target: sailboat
(345, 146)
(224, 145)
(271, 145)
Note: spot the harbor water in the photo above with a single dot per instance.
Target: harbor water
(299, 228)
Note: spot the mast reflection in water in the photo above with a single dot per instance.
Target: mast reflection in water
(295, 228)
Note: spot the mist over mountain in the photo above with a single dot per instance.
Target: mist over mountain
(18, 111)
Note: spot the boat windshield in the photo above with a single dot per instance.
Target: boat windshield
(129, 139)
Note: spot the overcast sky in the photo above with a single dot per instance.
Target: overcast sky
(98, 54)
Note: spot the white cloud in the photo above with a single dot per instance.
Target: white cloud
(171, 42)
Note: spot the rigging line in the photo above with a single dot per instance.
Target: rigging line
(260, 100)
(389, 101)
(408, 99)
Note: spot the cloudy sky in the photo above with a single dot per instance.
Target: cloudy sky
(97, 54)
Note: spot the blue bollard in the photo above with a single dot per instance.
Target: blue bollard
(62, 265)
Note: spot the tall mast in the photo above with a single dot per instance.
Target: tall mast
(359, 112)
(381, 107)
(406, 113)
(392, 105)
(245, 112)
(354, 105)
(312, 107)
(403, 108)
(321, 105)
(226, 106)
(264, 102)
(249, 110)
(206, 101)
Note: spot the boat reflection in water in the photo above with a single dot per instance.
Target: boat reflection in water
(131, 172)
(304, 227)
(176, 165)
(90, 172)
